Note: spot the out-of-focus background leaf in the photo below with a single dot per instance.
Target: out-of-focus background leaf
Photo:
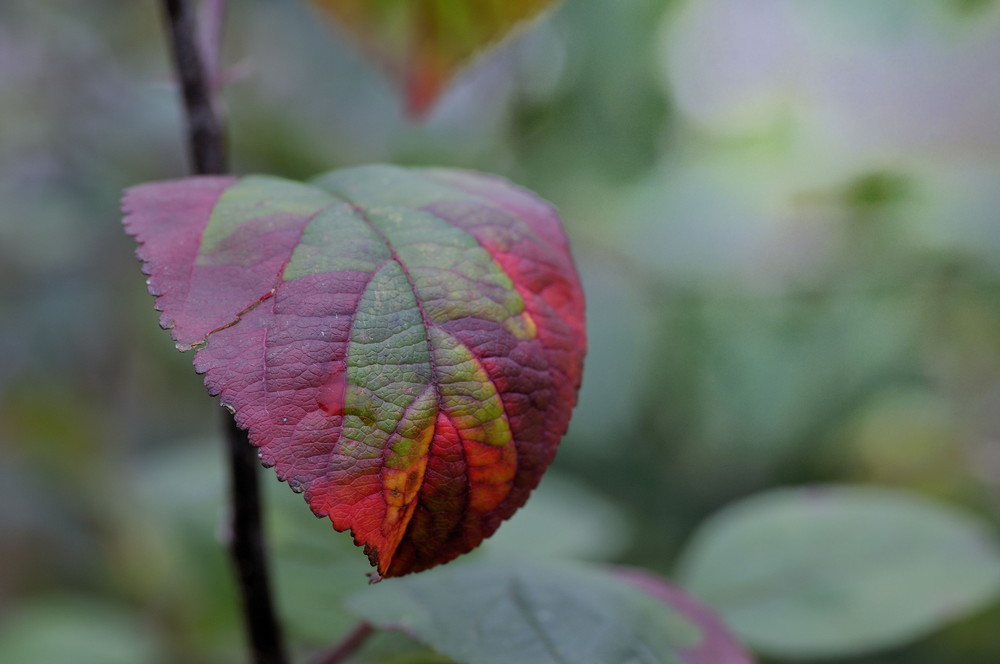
(786, 215)
(422, 44)
(832, 571)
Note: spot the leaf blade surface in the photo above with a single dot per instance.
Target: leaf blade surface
(404, 346)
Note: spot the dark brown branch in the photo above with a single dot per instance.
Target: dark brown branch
(207, 149)
(206, 143)
(246, 544)
(351, 642)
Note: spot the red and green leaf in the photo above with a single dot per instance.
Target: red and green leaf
(423, 43)
(404, 346)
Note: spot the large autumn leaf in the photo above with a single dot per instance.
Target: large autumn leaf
(404, 346)
(423, 43)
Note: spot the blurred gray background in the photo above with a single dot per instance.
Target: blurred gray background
(786, 215)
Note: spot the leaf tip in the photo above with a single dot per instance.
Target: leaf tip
(422, 90)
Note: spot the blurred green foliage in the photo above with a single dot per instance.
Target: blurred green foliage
(785, 215)
(827, 571)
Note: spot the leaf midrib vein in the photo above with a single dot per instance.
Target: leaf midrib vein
(434, 381)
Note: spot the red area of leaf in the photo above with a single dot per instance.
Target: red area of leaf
(422, 87)
(275, 350)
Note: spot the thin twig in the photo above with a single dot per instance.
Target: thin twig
(351, 642)
(206, 143)
(246, 537)
(246, 544)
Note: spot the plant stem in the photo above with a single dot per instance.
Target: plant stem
(206, 144)
(351, 642)
(207, 150)
(246, 546)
